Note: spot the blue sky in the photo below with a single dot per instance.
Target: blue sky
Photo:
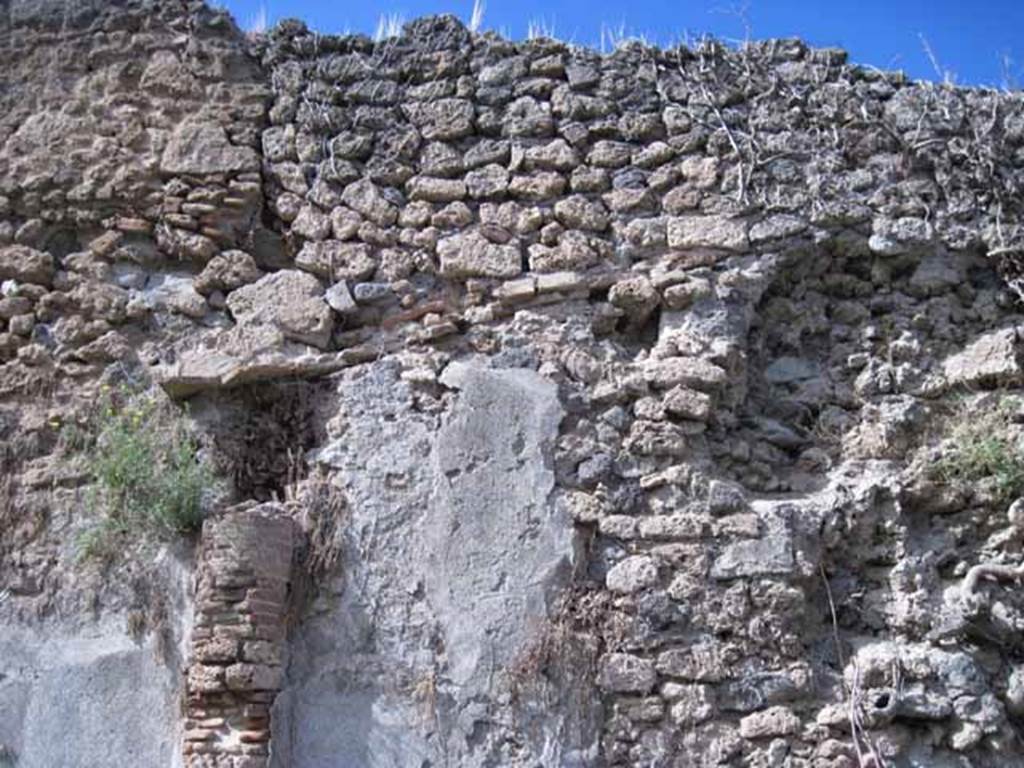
(980, 42)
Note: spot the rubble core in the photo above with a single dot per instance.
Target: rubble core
(657, 408)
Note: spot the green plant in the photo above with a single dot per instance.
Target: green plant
(145, 470)
(985, 447)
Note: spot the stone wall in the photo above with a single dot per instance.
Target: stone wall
(627, 374)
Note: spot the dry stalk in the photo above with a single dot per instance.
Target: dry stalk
(865, 748)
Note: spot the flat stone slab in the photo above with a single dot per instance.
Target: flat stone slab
(771, 556)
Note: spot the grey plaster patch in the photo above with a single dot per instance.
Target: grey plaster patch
(94, 699)
(453, 556)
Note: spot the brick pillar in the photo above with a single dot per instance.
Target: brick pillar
(235, 666)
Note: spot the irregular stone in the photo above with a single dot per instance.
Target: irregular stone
(759, 690)
(771, 556)
(700, 171)
(332, 260)
(227, 271)
(563, 282)
(107, 348)
(573, 253)
(656, 438)
(311, 223)
(635, 200)
(777, 227)
(991, 359)
(556, 155)
(456, 215)
(435, 190)
(636, 297)
(774, 721)
(683, 295)
(166, 74)
(527, 117)
(587, 179)
(610, 154)
(340, 299)
(702, 662)
(27, 265)
(513, 291)
(364, 196)
(693, 706)
(11, 306)
(488, 182)
(443, 119)
(198, 149)
(504, 72)
(688, 403)
(175, 293)
(487, 152)
(544, 185)
(725, 497)
(582, 76)
(368, 293)
(253, 677)
(893, 237)
(578, 212)
(626, 673)
(693, 372)
(713, 231)
(349, 145)
(184, 245)
(290, 300)
(646, 233)
(676, 527)
(22, 325)
(632, 574)
(470, 254)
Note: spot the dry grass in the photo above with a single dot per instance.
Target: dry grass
(984, 447)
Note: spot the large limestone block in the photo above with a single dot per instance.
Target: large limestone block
(707, 232)
(203, 148)
(470, 254)
(993, 358)
(291, 300)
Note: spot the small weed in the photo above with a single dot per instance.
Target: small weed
(146, 474)
(985, 448)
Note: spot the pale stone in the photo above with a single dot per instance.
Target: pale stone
(292, 301)
(364, 197)
(990, 359)
(577, 212)
(774, 721)
(688, 403)
(334, 260)
(632, 575)
(626, 673)
(435, 190)
(771, 556)
(692, 372)
(203, 148)
(227, 271)
(693, 704)
(707, 232)
(470, 254)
